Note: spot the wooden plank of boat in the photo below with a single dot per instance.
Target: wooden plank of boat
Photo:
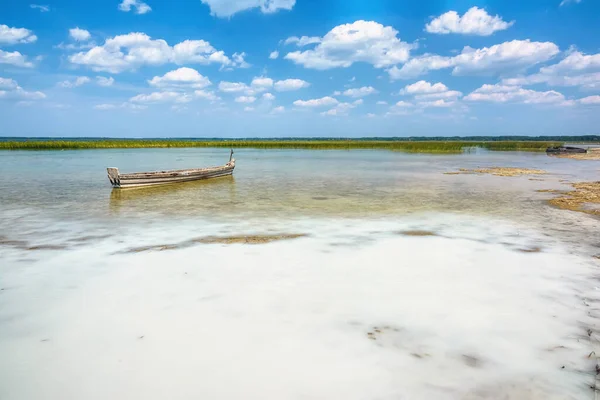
(138, 179)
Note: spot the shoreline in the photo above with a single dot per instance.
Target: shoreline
(449, 146)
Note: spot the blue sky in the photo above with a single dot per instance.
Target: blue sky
(275, 68)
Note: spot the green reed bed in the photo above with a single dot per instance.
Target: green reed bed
(397, 145)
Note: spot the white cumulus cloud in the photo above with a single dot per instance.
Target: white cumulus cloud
(245, 99)
(590, 100)
(14, 58)
(322, 102)
(262, 83)
(360, 92)
(278, 110)
(227, 8)
(134, 50)
(302, 41)
(499, 93)
(162, 97)
(139, 6)
(182, 77)
(476, 21)
(103, 81)
(10, 35)
(79, 81)
(501, 57)
(287, 85)
(274, 55)
(10, 90)
(577, 69)
(360, 41)
(80, 35)
(424, 87)
(268, 96)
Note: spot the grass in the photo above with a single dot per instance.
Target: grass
(341, 144)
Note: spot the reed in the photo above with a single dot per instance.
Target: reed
(341, 144)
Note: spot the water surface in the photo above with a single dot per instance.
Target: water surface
(113, 294)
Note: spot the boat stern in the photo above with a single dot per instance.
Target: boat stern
(113, 176)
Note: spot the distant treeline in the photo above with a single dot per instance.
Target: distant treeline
(581, 138)
(430, 146)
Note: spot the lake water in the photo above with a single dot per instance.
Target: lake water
(117, 294)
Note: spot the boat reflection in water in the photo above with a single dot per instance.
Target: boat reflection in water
(187, 197)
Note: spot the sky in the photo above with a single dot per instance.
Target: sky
(299, 68)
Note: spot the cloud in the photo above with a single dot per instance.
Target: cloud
(322, 102)
(232, 87)
(437, 103)
(302, 41)
(382, 103)
(448, 94)
(183, 77)
(503, 94)
(268, 96)
(80, 35)
(577, 69)
(278, 110)
(134, 50)
(360, 92)
(590, 100)
(245, 99)
(7, 83)
(476, 21)
(127, 106)
(273, 55)
(248, 108)
(361, 41)
(565, 2)
(140, 6)
(10, 35)
(227, 8)
(287, 85)
(424, 87)
(162, 97)
(341, 109)
(105, 106)
(40, 7)
(403, 104)
(203, 94)
(14, 58)
(79, 81)
(431, 95)
(238, 60)
(103, 81)
(262, 83)
(10, 90)
(501, 57)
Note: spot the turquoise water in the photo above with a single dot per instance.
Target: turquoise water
(114, 294)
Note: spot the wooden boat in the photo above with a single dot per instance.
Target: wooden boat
(138, 179)
(565, 150)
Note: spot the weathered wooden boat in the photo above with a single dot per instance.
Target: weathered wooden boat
(565, 150)
(138, 179)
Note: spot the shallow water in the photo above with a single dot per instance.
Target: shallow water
(115, 294)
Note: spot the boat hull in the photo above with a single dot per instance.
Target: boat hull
(141, 179)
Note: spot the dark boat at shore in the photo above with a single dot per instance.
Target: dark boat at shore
(138, 179)
(565, 150)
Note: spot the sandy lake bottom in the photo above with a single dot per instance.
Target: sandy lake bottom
(391, 280)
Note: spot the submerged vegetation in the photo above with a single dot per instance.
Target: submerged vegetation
(498, 171)
(432, 146)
